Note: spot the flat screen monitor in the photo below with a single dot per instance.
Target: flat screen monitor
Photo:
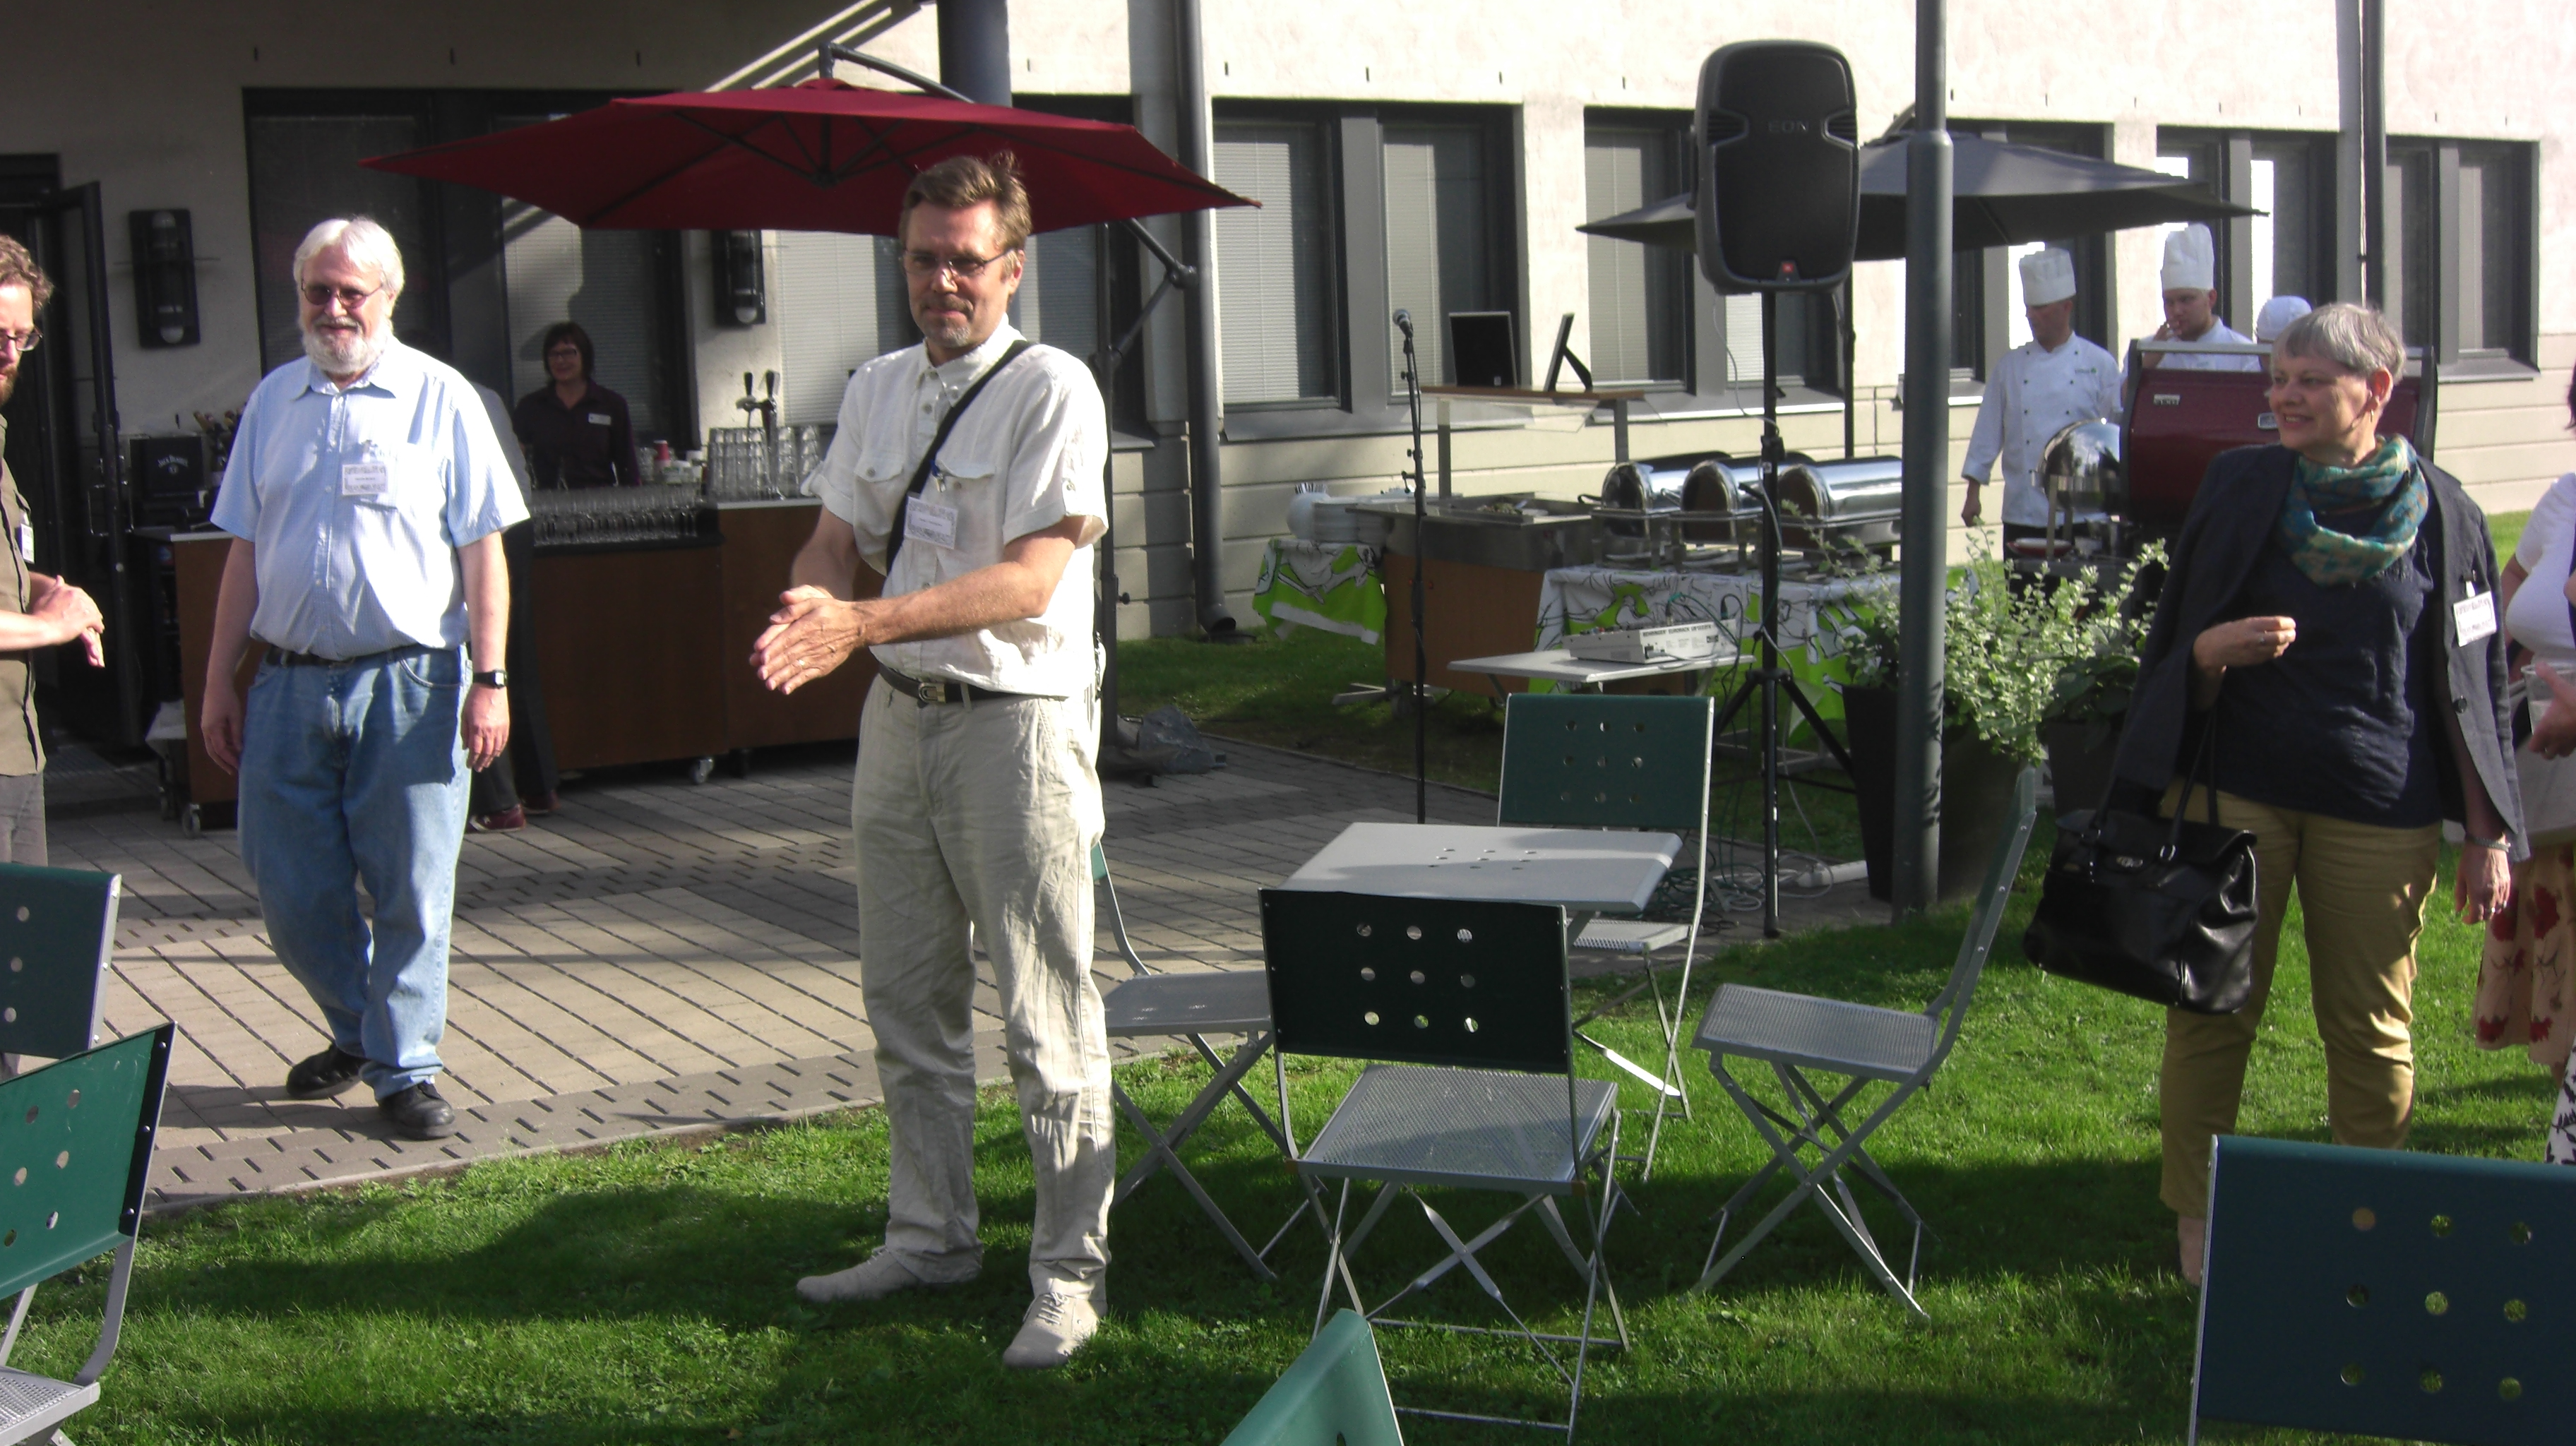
(1480, 350)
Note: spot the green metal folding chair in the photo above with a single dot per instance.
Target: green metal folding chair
(1190, 1006)
(2383, 1293)
(57, 933)
(1334, 1394)
(1797, 1033)
(75, 1153)
(1573, 760)
(1464, 1013)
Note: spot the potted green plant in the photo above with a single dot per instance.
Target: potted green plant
(2018, 670)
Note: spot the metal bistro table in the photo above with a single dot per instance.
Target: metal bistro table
(1561, 667)
(1584, 871)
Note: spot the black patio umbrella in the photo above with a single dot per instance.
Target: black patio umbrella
(2007, 195)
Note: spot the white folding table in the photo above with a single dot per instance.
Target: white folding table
(1585, 871)
(1560, 666)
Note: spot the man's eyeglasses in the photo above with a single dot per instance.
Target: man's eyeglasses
(21, 342)
(350, 297)
(964, 268)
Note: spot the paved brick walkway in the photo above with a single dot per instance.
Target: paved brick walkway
(656, 956)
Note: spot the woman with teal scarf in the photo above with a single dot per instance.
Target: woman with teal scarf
(2329, 624)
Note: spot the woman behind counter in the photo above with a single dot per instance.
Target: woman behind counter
(576, 431)
(2330, 614)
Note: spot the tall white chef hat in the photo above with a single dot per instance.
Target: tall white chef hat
(2191, 262)
(2277, 313)
(2047, 276)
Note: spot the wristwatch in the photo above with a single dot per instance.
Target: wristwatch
(497, 678)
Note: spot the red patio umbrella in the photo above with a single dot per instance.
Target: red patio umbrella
(822, 155)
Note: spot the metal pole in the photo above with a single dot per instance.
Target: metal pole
(1769, 650)
(1207, 491)
(1925, 573)
(975, 49)
(2374, 153)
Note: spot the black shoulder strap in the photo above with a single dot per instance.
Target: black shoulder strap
(938, 439)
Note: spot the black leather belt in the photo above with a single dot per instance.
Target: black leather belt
(285, 659)
(926, 691)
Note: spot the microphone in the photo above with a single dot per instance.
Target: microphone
(1404, 321)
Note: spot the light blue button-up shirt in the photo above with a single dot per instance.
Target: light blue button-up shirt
(355, 501)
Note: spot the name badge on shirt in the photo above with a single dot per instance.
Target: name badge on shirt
(598, 419)
(26, 543)
(369, 480)
(2473, 617)
(931, 522)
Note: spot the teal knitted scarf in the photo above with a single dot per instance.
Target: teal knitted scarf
(2332, 558)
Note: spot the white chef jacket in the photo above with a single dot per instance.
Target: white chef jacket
(1025, 456)
(2033, 393)
(2219, 334)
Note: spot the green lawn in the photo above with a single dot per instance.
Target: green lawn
(2506, 529)
(643, 1295)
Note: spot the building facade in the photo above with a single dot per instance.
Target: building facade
(1436, 157)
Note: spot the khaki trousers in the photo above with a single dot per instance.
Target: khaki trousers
(984, 813)
(2362, 891)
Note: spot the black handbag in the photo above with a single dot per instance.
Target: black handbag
(2160, 909)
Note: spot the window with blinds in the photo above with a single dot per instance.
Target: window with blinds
(1439, 223)
(839, 302)
(1276, 299)
(2493, 230)
(1640, 294)
(304, 170)
(555, 271)
(1059, 297)
(2408, 294)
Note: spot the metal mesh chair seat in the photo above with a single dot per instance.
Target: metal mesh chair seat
(1629, 936)
(1800, 1029)
(1230, 1002)
(32, 1405)
(1485, 1128)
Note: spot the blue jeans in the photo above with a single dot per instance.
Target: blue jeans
(355, 773)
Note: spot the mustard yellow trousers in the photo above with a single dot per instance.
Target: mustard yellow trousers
(2361, 892)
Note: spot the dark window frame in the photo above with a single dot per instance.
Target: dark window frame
(2231, 166)
(1675, 125)
(1328, 123)
(2097, 313)
(463, 235)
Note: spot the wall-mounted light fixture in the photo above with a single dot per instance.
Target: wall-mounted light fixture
(165, 278)
(741, 288)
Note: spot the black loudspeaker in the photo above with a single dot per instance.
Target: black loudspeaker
(1778, 166)
(742, 288)
(165, 278)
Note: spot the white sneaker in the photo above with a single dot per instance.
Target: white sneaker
(1055, 1327)
(880, 1275)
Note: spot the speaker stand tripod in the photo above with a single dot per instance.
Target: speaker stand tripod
(1769, 680)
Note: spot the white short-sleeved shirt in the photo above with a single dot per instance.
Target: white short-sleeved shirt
(1024, 457)
(2033, 394)
(356, 500)
(2538, 617)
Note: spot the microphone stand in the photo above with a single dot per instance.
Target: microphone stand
(1421, 662)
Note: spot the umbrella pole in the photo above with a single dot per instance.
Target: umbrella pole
(1924, 573)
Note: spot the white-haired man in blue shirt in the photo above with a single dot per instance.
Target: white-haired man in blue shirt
(366, 495)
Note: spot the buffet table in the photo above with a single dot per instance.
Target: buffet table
(1325, 585)
(643, 648)
(1813, 615)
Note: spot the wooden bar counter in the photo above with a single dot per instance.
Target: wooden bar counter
(644, 650)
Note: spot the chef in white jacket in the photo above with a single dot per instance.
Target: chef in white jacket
(2055, 379)
(2191, 307)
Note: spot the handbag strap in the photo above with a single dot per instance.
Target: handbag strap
(2204, 774)
(938, 439)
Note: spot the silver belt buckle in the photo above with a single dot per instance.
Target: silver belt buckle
(931, 690)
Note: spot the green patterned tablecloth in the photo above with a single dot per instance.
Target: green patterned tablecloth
(1813, 616)
(1332, 586)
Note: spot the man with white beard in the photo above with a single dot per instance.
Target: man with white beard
(366, 496)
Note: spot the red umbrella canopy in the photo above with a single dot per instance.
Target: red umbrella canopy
(819, 156)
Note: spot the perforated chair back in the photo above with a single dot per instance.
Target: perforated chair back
(57, 931)
(1333, 1393)
(1588, 760)
(75, 1151)
(1418, 981)
(2384, 1293)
